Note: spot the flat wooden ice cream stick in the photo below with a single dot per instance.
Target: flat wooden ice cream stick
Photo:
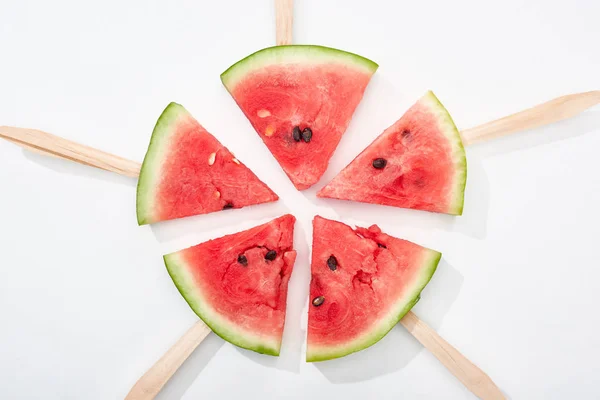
(47, 143)
(552, 111)
(543, 114)
(284, 14)
(474, 379)
(148, 386)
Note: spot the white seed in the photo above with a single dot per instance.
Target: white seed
(211, 158)
(235, 160)
(263, 113)
(269, 131)
(217, 194)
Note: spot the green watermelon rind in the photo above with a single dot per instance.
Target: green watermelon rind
(449, 129)
(159, 143)
(296, 54)
(220, 326)
(403, 306)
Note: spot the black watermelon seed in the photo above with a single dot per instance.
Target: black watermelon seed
(332, 263)
(383, 246)
(379, 163)
(317, 301)
(271, 255)
(296, 133)
(307, 134)
(243, 260)
(227, 206)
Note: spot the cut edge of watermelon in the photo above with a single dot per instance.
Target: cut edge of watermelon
(152, 161)
(459, 160)
(399, 310)
(449, 129)
(296, 54)
(220, 326)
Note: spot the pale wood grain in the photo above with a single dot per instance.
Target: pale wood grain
(468, 373)
(30, 148)
(477, 381)
(284, 15)
(150, 384)
(552, 111)
(47, 143)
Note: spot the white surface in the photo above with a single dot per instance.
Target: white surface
(86, 305)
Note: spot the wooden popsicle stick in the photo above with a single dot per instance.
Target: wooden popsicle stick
(148, 386)
(477, 381)
(552, 111)
(284, 15)
(31, 148)
(54, 145)
(474, 379)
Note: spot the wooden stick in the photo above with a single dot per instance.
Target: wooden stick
(468, 373)
(284, 14)
(148, 386)
(477, 381)
(552, 111)
(57, 146)
(30, 148)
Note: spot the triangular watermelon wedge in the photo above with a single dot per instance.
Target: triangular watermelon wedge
(237, 284)
(187, 171)
(419, 162)
(300, 100)
(363, 283)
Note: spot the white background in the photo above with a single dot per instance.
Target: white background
(86, 305)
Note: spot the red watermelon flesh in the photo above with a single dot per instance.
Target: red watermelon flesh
(303, 87)
(237, 284)
(187, 171)
(424, 165)
(363, 282)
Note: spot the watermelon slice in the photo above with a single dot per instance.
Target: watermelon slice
(238, 283)
(187, 171)
(363, 283)
(419, 162)
(300, 100)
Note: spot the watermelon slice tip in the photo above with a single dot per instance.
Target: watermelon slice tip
(312, 90)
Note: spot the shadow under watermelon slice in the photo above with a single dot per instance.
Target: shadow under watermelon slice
(300, 100)
(419, 162)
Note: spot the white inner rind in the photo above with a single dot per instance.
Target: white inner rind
(448, 128)
(186, 284)
(158, 149)
(294, 54)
